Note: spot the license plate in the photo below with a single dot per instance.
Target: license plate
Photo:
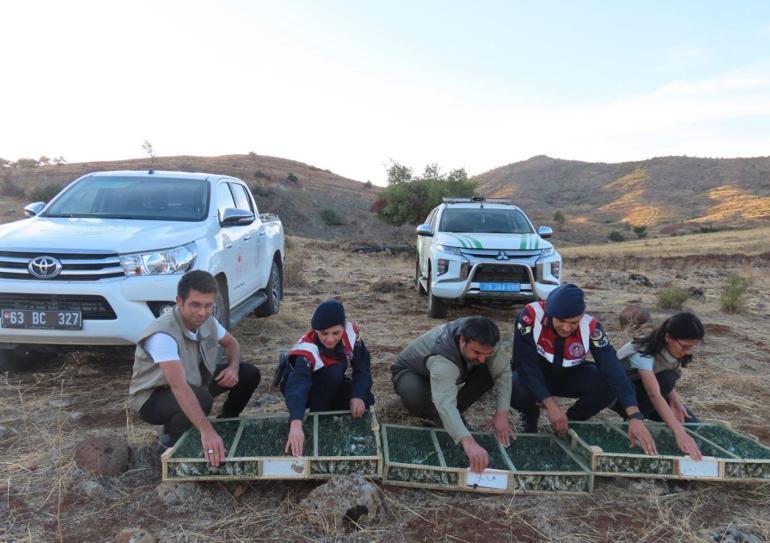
(42, 320)
(500, 287)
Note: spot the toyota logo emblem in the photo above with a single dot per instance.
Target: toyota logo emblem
(44, 267)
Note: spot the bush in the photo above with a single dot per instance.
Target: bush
(44, 193)
(252, 154)
(672, 297)
(733, 297)
(259, 190)
(26, 163)
(259, 174)
(293, 178)
(616, 236)
(708, 229)
(640, 231)
(558, 218)
(368, 185)
(11, 189)
(330, 217)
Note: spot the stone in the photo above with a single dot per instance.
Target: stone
(384, 285)
(176, 493)
(344, 501)
(697, 293)
(135, 535)
(75, 416)
(640, 279)
(90, 488)
(106, 456)
(734, 534)
(634, 315)
(144, 457)
(59, 403)
(87, 371)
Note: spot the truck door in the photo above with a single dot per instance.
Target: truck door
(256, 264)
(233, 247)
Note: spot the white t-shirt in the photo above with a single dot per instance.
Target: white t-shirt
(162, 347)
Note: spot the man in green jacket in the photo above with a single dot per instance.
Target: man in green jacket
(176, 374)
(443, 372)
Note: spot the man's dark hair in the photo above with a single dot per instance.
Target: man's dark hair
(198, 280)
(481, 330)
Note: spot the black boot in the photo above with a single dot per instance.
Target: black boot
(529, 422)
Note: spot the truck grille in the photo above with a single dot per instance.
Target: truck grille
(92, 307)
(75, 266)
(492, 273)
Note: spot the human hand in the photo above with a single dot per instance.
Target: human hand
(213, 447)
(228, 377)
(679, 411)
(357, 407)
(503, 429)
(296, 440)
(558, 419)
(687, 445)
(477, 455)
(638, 434)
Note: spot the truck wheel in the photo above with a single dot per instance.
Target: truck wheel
(417, 284)
(221, 304)
(274, 292)
(437, 308)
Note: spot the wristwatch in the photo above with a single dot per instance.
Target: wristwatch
(638, 416)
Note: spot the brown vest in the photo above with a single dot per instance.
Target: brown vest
(198, 357)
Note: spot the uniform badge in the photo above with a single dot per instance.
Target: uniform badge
(599, 338)
(575, 350)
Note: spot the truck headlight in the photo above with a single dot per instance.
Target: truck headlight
(555, 268)
(167, 261)
(546, 252)
(448, 249)
(442, 267)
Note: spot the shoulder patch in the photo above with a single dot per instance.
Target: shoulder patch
(598, 338)
(597, 333)
(523, 328)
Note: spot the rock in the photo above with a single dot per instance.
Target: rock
(135, 535)
(344, 500)
(733, 534)
(697, 293)
(176, 493)
(60, 403)
(103, 455)
(144, 457)
(87, 371)
(640, 279)
(634, 315)
(75, 416)
(90, 488)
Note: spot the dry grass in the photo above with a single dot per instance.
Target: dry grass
(43, 496)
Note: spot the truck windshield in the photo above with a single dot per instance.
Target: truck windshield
(157, 198)
(485, 221)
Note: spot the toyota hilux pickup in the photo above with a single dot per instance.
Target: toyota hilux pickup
(483, 249)
(95, 265)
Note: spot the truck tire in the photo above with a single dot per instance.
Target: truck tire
(417, 284)
(222, 304)
(437, 308)
(274, 291)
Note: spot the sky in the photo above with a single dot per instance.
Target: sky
(352, 85)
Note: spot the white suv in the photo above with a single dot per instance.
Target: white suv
(483, 249)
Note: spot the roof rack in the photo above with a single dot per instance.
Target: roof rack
(474, 199)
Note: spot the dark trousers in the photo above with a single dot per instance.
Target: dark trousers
(163, 408)
(666, 381)
(583, 382)
(332, 390)
(414, 390)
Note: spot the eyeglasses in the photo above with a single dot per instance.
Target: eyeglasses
(685, 348)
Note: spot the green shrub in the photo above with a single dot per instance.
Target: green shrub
(330, 217)
(616, 236)
(259, 190)
(10, 188)
(368, 185)
(733, 297)
(43, 193)
(26, 163)
(640, 231)
(259, 174)
(293, 178)
(672, 297)
(708, 229)
(558, 218)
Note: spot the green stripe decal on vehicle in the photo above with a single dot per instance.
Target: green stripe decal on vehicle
(461, 240)
(476, 243)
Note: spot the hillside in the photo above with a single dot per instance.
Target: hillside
(667, 195)
(297, 192)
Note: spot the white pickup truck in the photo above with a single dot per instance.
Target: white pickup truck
(102, 259)
(477, 248)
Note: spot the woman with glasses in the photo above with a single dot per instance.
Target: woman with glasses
(654, 363)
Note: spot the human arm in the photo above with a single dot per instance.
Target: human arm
(361, 377)
(298, 384)
(683, 440)
(173, 371)
(500, 369)
(680, 411)
(228, 377)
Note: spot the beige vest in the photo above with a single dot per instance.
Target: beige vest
(198, 357)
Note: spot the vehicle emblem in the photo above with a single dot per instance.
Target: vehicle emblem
(44, 267)
(502, 256)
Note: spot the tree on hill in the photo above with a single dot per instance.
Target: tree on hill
(640, 231)
(409, 198)
(558, 218)
(26, 163)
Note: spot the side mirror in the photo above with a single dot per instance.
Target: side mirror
(425, 230)
(30, 210)
(544, 231)
(233, 216)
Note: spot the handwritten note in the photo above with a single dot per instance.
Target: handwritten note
(284, 468)
(488, 478)
(708, 467)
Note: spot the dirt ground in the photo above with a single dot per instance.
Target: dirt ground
(55, 402)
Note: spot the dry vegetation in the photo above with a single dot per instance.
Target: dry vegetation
(46, 497)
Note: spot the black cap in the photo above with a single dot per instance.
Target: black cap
(565, 302)
(327, 314)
